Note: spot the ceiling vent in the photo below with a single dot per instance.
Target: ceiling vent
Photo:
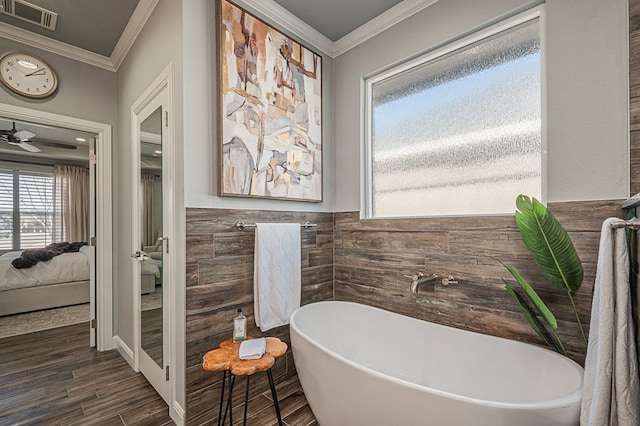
(30, 13)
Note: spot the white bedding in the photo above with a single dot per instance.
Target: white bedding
(66, 267)
(151, 267)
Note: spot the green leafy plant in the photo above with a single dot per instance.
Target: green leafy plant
(556, 257)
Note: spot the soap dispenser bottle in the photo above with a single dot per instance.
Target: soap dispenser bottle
(239, 327)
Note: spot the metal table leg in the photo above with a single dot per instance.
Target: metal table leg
(224, 384)
(274, 396)
(246, 401)
(229, 406)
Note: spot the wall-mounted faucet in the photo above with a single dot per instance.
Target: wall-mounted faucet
(421, 278)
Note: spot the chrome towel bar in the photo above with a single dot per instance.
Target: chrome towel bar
(240, 225)
(621, 223)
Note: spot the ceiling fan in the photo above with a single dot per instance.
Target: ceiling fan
(22, 138)
(19, 138)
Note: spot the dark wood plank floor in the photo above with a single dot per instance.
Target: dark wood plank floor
(294, 407)
(52, 377)
(151, 334)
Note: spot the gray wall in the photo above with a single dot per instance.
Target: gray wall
(84, 91)
(587, 90)
(200, 121)
(158, 45)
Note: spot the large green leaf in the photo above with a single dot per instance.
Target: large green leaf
(549, 244)
(534, 322)
(542, 309)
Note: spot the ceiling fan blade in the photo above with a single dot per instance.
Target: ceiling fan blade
(53, 144)
(26, 146)
(24, 134)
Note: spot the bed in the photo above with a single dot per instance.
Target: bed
(149, 279)
(61, 281)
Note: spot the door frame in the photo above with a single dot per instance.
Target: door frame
(104, 207)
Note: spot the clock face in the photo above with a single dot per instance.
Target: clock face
(27, 75)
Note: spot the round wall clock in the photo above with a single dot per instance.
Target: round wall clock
(27, 75)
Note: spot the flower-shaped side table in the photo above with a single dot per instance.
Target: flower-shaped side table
(225, 358)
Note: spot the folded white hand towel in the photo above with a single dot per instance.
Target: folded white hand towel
(253, 349)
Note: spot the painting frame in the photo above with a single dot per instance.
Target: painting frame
(269, 110)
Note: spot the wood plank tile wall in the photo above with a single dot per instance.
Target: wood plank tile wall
(220, 280)
(367, 260)
(371, 257)
(634, 93)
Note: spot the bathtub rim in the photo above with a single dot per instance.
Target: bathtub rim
(571, 398)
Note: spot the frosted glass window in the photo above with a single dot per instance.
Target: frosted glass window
(460, 133)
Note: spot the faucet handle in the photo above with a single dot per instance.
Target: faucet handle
(449, 280)
(414, 276)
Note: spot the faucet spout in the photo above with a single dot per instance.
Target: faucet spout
(420, 278)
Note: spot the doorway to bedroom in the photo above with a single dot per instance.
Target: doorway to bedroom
(53, 246)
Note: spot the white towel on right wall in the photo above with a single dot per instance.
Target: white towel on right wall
(611, 389)
(277, 273)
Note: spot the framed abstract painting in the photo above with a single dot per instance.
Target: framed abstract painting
(270, 111)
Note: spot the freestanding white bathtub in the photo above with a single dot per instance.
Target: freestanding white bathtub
(364, 366)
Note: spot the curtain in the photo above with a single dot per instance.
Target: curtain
(148, 233)
(71, 195)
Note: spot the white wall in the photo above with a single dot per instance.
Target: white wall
(200, 120)
(587, 90)
(158, 45)
(587, 99)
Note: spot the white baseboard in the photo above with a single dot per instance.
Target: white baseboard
(124, 350)
(177, 414)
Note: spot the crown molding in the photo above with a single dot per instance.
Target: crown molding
(288, 21)
(380, 23)
(138, 19)
(303, 31)
(135, 25)
(267, 9)
(63, 49)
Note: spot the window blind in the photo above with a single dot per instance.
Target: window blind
(27, 209)
(36, 210)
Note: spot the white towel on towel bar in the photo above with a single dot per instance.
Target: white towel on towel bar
(277, 273)
(611, 391)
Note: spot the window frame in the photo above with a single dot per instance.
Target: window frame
(538, 12)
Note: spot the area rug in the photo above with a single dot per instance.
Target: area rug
(13, 325)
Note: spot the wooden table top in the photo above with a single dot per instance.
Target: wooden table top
(226, 357)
